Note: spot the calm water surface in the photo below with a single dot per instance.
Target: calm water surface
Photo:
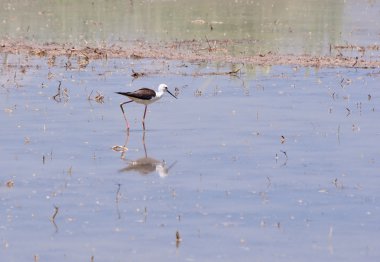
(289, 26)
(231, 185)
(274, 164)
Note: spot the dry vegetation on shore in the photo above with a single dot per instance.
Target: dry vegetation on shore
(212, 51)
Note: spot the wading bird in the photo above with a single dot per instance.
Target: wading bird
(143, 96)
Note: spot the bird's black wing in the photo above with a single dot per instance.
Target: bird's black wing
(142, 93)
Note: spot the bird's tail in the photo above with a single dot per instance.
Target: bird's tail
(122, 93)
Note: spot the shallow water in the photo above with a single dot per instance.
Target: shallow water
(291, 26)
(231, 185)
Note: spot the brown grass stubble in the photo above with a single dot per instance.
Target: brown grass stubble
(190, 51)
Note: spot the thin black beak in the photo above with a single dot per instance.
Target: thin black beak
(171, 94)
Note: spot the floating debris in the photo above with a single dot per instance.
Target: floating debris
(99, 98)
(119, 148)
(10, 184)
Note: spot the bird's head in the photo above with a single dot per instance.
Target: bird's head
(164, 88)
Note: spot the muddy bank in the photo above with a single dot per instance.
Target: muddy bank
(193, 51)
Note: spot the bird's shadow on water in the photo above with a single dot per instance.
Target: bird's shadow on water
(145, 164)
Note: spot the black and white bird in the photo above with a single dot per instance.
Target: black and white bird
(144, 96)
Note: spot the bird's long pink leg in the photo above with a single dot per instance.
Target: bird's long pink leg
(122, 110)
(143, 121)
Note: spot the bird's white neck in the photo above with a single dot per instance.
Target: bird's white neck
(159, 94)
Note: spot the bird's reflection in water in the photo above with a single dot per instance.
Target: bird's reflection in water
(145, 165)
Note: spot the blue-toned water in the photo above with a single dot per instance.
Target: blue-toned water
(275, 164)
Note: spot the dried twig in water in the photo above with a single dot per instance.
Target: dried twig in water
(176, 91)
(198, 92)
(57, 97)
(145, 214)
(61, 94)
(338, 184)
(117, 199)
(284, 152)
(137, 74)
(118, 194)
(178, 239)
(348, 111)
(286, 158)
(68, 65)
(99, 98)
(89, 98)
(56, 209)
(269, 182)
